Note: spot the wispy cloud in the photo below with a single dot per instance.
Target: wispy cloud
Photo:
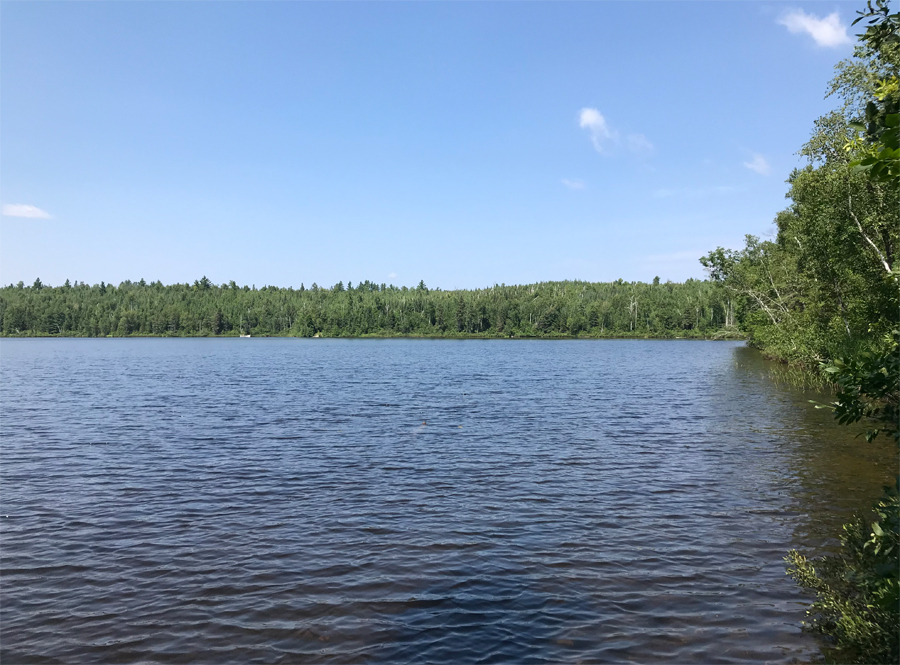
(594, 122)
(25, 210)
(603, 137)
(693, 192)
(392, 275)
(573, 184)
(828, 31)
(759, 164)
(638, 143)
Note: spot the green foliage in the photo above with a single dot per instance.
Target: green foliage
(881, 33)
(867, 388)
(858, 591)
(550, 309)
(826, 287)
(881, 123)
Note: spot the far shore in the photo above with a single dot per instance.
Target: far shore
(730, 336)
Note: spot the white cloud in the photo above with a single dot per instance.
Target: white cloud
(392, 275)
(603, 136)
(639, 143)
(759, 164)
(25, 210)
(828, 31)
(593, 121)
(573, 184)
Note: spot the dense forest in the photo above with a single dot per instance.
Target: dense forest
(692, 309)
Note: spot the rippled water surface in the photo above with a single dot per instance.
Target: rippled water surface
(287, 501)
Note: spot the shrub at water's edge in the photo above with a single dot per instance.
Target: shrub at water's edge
(858, 590)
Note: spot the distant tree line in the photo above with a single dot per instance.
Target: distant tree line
(694, 308)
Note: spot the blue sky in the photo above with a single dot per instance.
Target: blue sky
(465, 144)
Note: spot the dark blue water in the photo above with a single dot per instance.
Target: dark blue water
(287, 501)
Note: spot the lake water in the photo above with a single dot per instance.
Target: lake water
(387, 501)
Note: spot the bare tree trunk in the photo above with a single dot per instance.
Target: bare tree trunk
(884, 263)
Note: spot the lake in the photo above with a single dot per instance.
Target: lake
(386, 501)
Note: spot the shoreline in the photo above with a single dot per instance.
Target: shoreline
(731, 337)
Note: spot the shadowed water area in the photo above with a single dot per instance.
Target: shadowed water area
(383, 501)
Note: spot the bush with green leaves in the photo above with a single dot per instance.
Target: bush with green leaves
(857, 591)
(867, 389)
